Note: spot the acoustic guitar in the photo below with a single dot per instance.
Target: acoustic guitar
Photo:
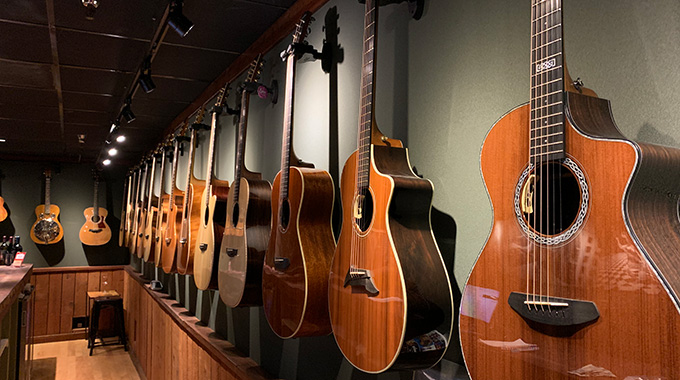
(247, 224)
(125, 206)
(3, 211)
(191, 209)
(301, 243)
(47, 229)
(132, 210)
(390, 298)
(148, 211)
(213, 211)
(95, 231)
(140, 211)
(163, 206)
(174, 214)
(579, 276)
(148, 236)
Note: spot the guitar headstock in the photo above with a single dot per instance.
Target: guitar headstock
(198, 124)
(255, 69)
(222, 96)
(47, 173)
(302, 28)
(95, 176)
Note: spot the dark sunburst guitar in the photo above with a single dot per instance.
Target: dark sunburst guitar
(47, 229)
(95, 231)
(389, 298)
(247, 224)
(579, 276)
(301, 243)
(213, 211)
(174, 212)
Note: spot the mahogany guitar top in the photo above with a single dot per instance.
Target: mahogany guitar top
(637, 332)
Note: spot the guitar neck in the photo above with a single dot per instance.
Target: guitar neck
(547, 82)
(211, 148)
(95, 207)
(190, 169)
(48, 181)
(162, 182)
(367, 98)
(241, 142)
(151, 182)
(286, 145)
(175, 158)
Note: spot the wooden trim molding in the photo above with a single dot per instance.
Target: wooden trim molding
(78, 269)
(270, 38)
(221, 351)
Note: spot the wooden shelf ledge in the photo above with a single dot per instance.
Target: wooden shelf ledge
(222, 351)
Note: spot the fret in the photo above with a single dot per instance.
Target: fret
(537, 155)
(546, 44)
(547, 83)
(241, 142)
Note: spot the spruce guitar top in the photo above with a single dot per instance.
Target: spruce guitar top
(95, 231)
(47, 229)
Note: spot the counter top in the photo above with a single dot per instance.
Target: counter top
(12, 282)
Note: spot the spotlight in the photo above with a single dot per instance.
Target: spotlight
(90, 8)
(113, 151)
(145, 80)
(106, 162)
(178, 21)
(126, 112)
(2, 140)
(120, 138)
(114, 126)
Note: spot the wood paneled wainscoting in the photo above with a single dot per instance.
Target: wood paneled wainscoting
(168, 343)
(61, 295)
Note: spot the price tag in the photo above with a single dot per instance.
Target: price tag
(19, 259)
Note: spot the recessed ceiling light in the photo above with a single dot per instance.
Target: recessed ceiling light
(120, 138)
(113, 151)
(2, 140)
(106, 162)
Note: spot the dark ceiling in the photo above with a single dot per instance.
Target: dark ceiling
(62, 75)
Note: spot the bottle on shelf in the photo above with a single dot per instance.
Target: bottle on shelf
(15, 247)
(4, 248)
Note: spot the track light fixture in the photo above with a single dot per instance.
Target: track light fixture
(145, 80)
(106, 162)
(177, 20)
(126, 112)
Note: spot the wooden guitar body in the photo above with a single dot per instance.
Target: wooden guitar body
(298, 258)
(413, 302)
(171, 233)
(129, 221)
(47, 229)
(161, 226)
(134, 231)
(189, 228)
(3, 211)
(244, 243)
(148, 241)
(620, 258)
(95, 232)
(209, 235)
(141, 227)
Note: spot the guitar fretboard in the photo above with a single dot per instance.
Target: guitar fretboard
(48, 181)
(151, 183)
(175, 157)
(190, 169)
(162, 181)
(287, 125)
(241, 143)
(95, 206)
(547, 82)
(366, 102)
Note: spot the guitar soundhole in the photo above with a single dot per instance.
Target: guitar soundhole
(363, 209)
(551, 198)
(235, 215)
(284, 214)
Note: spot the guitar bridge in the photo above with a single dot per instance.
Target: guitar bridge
(281, 263)
(546, 314)
(361, 278)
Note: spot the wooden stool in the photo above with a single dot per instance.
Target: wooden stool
(99, 304)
